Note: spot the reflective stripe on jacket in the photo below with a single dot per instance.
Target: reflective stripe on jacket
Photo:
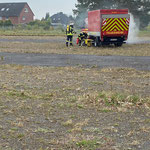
(69, 31)
(82, 35)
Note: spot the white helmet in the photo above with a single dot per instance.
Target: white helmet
(71, 24)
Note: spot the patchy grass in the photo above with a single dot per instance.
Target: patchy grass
(145, 32)
(88, 144)
(116, 99)
(56, 45)
(39, 32)
(43, 130)
(73, 108)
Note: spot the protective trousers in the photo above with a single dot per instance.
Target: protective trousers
(69, 39)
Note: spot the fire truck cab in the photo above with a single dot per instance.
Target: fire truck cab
(108, 26)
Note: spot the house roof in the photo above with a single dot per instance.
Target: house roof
(11, 9)
(60, 18)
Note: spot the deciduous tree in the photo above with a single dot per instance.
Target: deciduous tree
(139, 8)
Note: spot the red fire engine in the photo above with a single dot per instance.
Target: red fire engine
(108, 26)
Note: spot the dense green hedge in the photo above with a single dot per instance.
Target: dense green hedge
(44, 24)
(5, 23)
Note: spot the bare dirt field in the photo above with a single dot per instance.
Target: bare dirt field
(74, 108)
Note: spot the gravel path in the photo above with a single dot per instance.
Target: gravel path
(60, 60)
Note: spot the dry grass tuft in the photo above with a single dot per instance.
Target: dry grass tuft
(56, 45)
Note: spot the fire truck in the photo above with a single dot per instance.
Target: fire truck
(108, 26)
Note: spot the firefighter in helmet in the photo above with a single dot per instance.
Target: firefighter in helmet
(69, 33)
(82, 36)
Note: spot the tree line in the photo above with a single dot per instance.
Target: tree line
(44, 23)
(140, 9)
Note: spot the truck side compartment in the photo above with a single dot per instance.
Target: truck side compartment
(94, 23)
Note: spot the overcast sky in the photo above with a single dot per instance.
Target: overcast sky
(41, 7)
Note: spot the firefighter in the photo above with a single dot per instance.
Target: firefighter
(69, 33)
(82, 36)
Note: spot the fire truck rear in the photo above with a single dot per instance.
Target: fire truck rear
(108, 26)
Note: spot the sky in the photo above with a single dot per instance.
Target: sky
(41, 7)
